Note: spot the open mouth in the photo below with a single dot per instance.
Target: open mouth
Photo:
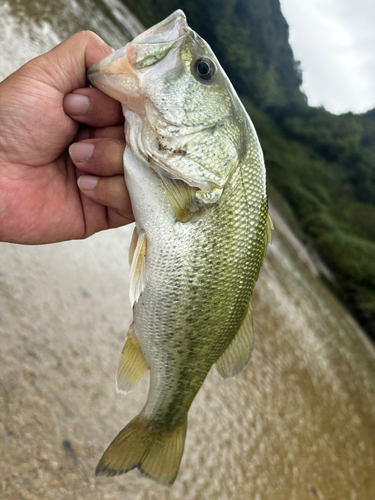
(116, 75)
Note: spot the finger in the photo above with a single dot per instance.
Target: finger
(102, 157)
(82, 134)
(92, 107)
(116, 132)
(110, 192)
(64, 67)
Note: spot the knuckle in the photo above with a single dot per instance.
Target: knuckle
(86, 36)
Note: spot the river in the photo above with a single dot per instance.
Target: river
(298, 423)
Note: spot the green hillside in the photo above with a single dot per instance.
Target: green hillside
(249, 37)
(323, 165)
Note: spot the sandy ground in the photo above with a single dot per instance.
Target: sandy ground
(297, 424)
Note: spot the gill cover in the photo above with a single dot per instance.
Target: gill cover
(178, 104)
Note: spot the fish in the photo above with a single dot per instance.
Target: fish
(196, 178)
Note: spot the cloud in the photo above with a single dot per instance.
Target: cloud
(335, 42)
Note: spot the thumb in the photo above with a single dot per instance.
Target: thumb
(64, 67)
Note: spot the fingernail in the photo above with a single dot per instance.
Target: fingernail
(76, 104)
(81, 151)
(87, 182)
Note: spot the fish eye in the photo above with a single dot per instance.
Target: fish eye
(204, 68)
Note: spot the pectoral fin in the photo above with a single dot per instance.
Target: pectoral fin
(182, 198)
(138, 275)
(238, 354)
(132, 365)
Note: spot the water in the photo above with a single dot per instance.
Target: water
(298, 424)
(31, 28)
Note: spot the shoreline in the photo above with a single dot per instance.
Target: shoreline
(317, 269)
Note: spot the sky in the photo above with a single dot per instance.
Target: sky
(335, 42)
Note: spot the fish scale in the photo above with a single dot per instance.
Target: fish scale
(196, 180)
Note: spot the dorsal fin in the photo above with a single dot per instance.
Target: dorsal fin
(269, 228)
(238, 354)
(268, 235)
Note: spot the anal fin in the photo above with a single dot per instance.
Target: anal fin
(132, 365)
(238, 353)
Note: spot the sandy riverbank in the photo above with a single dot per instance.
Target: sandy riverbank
(297, 424)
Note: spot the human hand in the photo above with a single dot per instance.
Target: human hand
(42, 106)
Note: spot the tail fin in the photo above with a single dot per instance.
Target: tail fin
(156, 454)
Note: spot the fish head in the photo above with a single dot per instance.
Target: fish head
(182, 113)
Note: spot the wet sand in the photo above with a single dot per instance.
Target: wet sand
(298, 423)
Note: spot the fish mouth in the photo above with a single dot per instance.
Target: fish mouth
(117, 75)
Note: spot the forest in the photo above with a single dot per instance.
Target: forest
(320, 166)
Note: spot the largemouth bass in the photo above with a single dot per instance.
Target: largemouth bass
(196, 178)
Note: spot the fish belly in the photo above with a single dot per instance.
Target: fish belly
(198, 289)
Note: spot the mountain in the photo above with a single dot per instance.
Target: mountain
(322, 165)
(250, 39)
